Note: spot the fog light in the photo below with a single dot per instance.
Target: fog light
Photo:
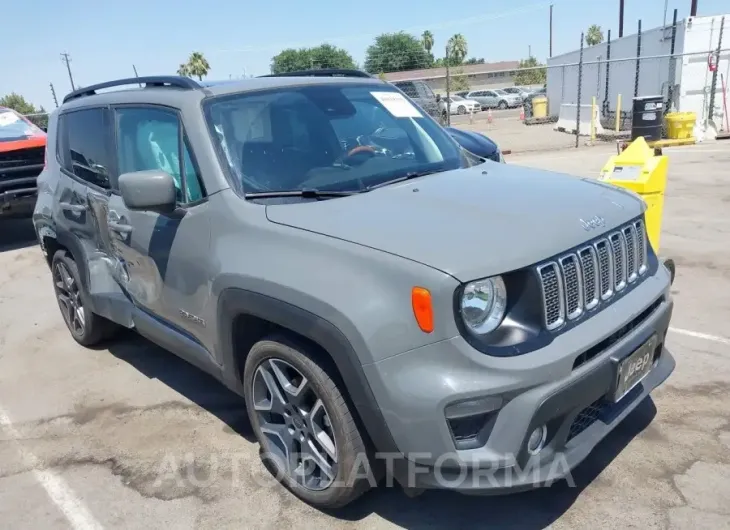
(537, 440)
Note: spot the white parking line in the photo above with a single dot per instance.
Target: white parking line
(57, 489)
(698, 335)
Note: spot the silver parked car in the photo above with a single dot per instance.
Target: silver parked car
(495, 98)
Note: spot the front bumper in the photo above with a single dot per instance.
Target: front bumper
(515, 395)
(18, 202)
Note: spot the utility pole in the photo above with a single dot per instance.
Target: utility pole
(66, 59)
(620, 18)
(53, 93)
(693, 9)
(529, 51)
(551, 31)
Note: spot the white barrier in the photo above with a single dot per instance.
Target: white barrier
(569, 114)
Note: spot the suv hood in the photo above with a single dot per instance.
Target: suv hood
(469, 223)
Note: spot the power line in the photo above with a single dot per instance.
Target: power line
(67, 59)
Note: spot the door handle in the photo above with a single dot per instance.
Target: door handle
(73, 208)
(119, 227)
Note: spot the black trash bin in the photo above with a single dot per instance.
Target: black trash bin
(647, 116)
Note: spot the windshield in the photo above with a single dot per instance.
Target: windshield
(14, 127)
(501, 92)
(328, 137)
(457, 98)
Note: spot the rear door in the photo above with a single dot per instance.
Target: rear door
(161, 258)
(87, 160)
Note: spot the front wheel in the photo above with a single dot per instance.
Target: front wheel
(502, 105)
(461, 109)
(307, 434)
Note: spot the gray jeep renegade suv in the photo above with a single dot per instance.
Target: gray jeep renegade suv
(386, 303)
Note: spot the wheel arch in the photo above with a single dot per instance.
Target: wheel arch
(239, 308)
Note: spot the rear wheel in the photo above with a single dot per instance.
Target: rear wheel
(86, 327)
(308, 436)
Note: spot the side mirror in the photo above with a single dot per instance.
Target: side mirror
(152, 190)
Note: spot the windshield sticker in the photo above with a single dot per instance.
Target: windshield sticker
(397, 105)
(7, 118)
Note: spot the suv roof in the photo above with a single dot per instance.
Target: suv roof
(159, 89)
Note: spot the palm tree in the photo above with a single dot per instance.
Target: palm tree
(197, 65)
(183, 70)
(594, 35)
(457, 48)
(427, 40)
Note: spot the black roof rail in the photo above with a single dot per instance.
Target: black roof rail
(150, 81)
(323, 72)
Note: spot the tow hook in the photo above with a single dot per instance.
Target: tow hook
(669, 264)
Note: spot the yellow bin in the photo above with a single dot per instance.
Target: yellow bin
(680, 125)
(539, 107)
(638, 169)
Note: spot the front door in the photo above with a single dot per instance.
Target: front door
(159, 259)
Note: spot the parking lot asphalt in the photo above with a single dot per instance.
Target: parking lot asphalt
(129, 436)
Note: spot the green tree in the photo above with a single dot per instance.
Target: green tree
(474, 60)
(396, 52)
(531, 72)
(197, 66)
(427, 40)
(594, 35)
(456, 48)
(459, 81)
(21, 105)
(323, 56)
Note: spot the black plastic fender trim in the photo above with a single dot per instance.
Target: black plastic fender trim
(235, 301)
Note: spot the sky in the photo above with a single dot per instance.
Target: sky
(106, 39)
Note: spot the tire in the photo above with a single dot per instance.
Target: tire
(87, 328)
(461, 109)
(292, 358)
(503, 105)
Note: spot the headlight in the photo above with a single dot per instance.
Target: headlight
(483, 304)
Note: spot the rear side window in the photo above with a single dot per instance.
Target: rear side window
(83, 145)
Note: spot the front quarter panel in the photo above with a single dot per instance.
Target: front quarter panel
(363, 292)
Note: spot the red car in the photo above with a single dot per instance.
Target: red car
(22, 156)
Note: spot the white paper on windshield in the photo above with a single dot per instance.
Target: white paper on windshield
(6, 118)
(397, 105)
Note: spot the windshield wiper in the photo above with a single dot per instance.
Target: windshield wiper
(403, 178)
(306, 194)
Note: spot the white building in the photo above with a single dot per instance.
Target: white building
(695, 37)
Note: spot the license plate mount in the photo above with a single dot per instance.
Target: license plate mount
(631, 370)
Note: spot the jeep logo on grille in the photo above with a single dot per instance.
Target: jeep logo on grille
(594, 222)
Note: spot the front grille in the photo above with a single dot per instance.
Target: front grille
(577, 282)
(552, 294)
(20, 169)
